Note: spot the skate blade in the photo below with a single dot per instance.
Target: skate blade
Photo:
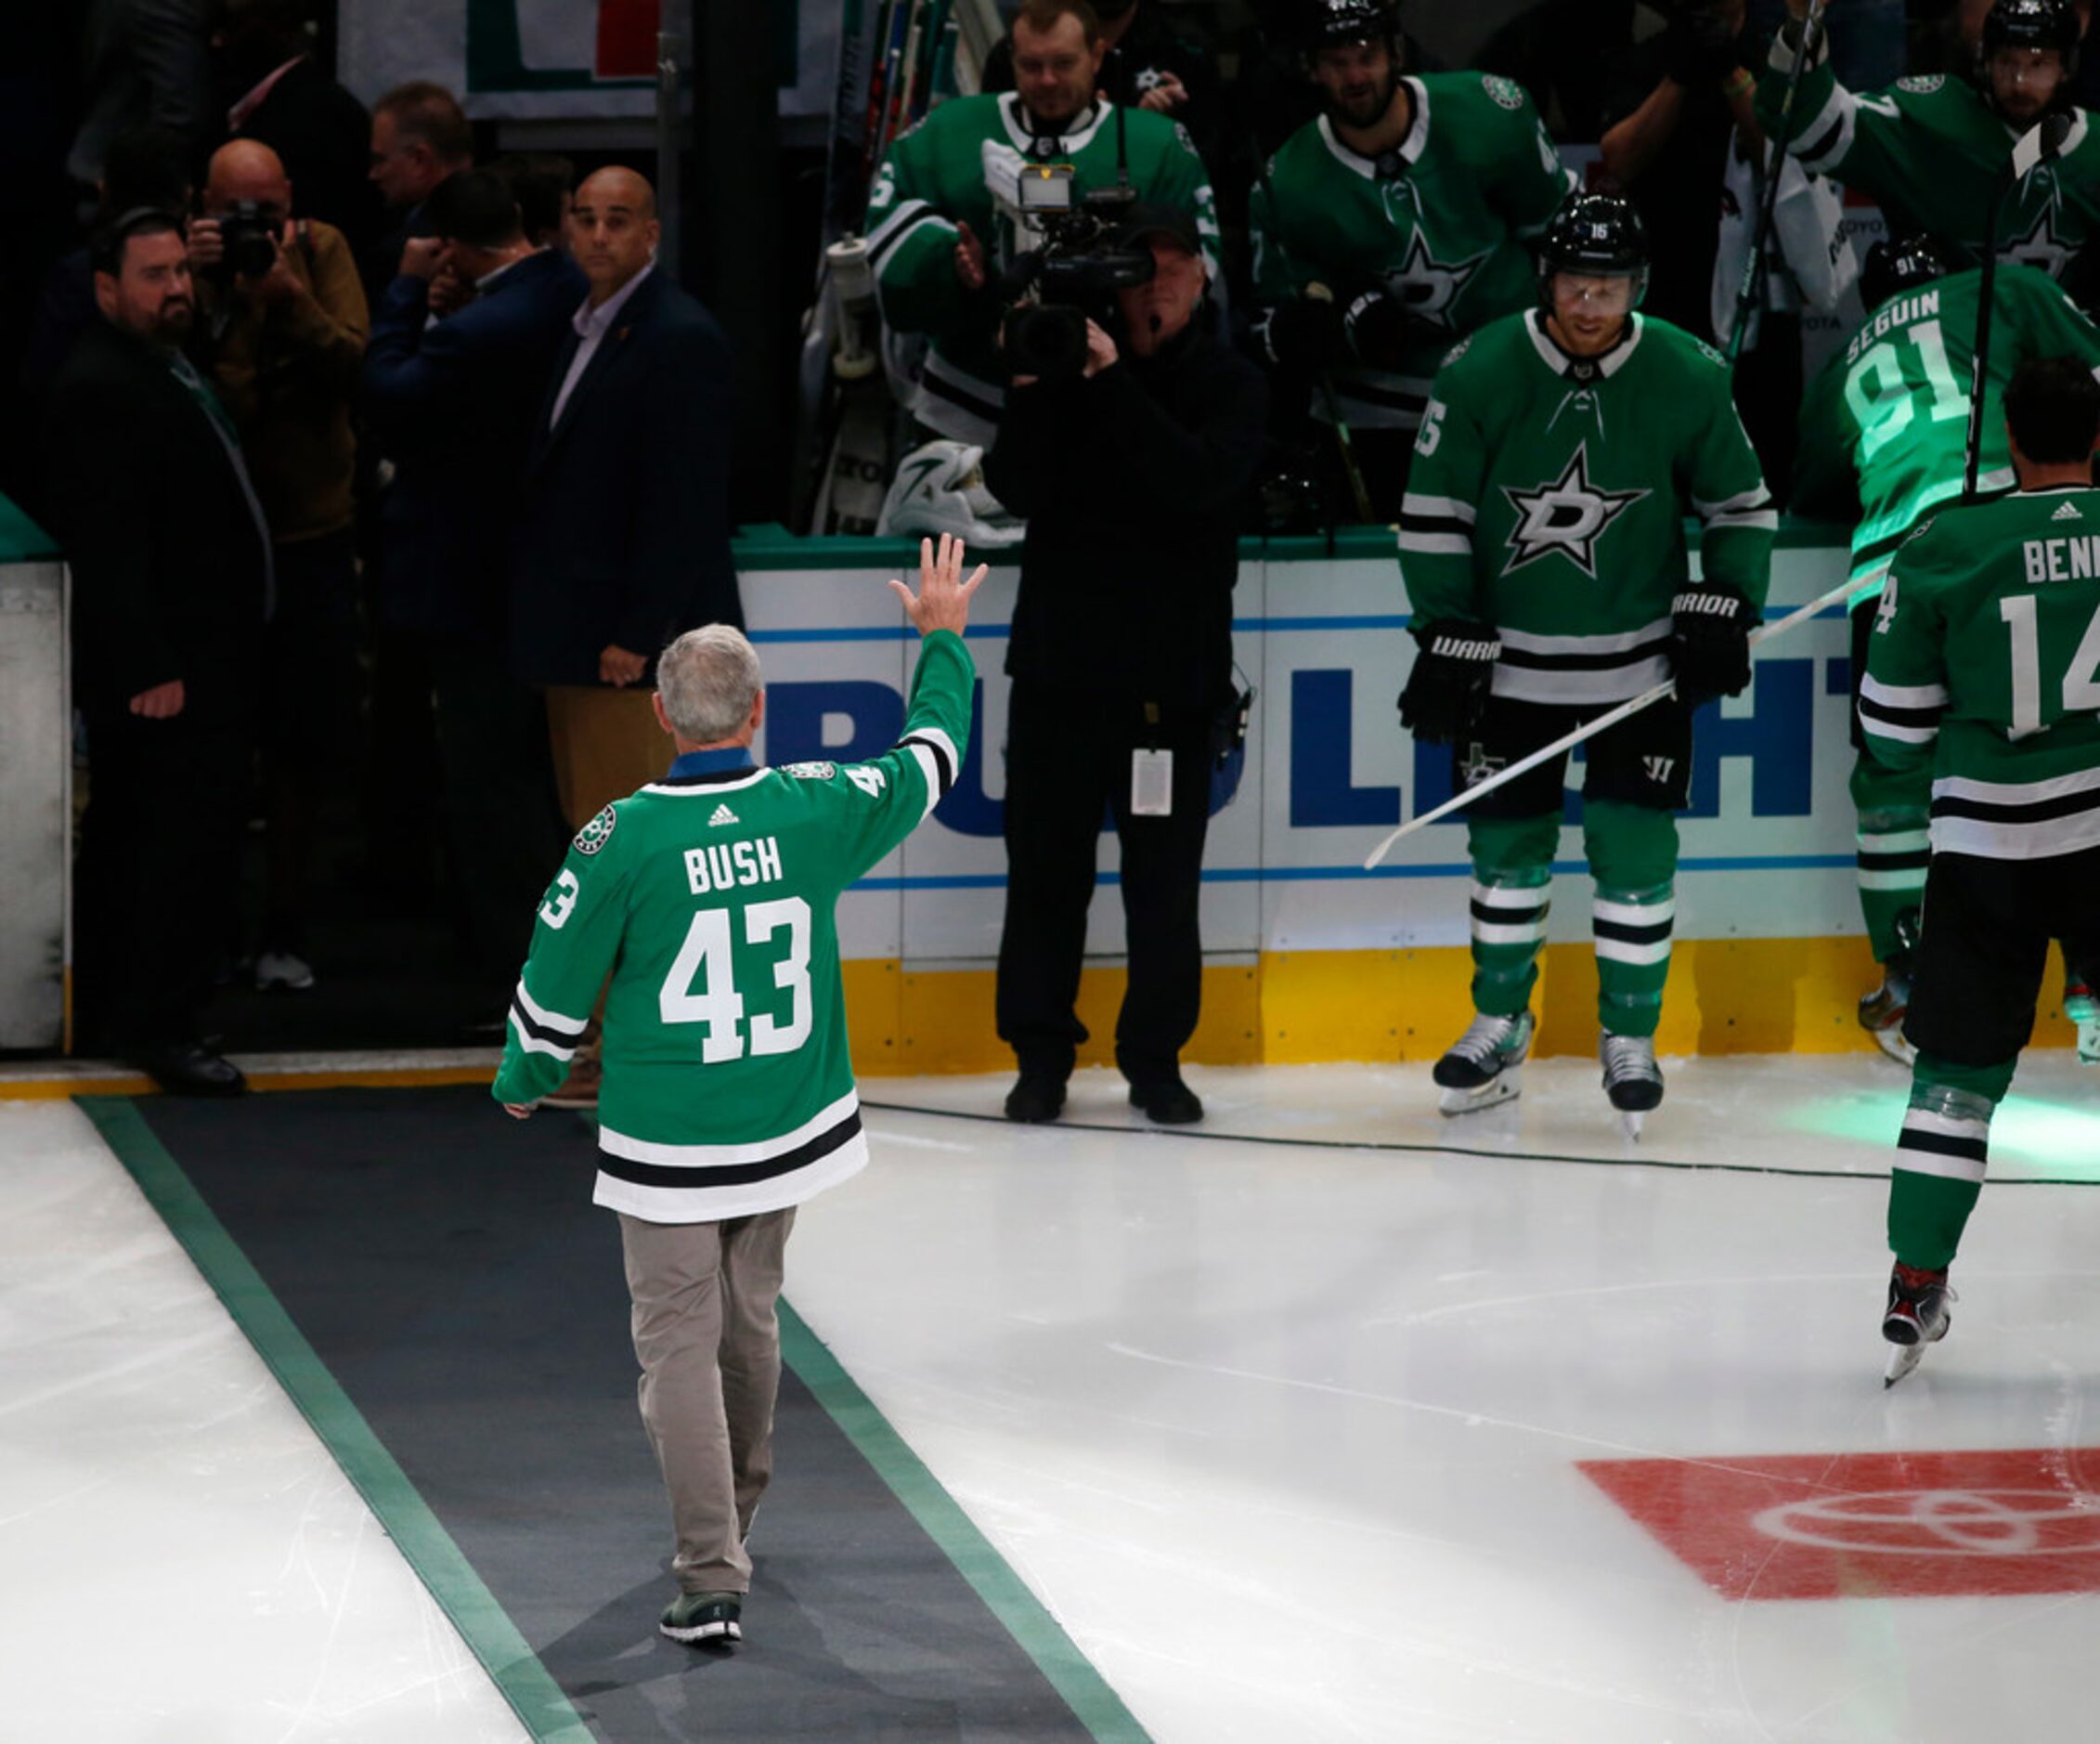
(1891, 1043)
(2088, 1044)
(1632, 1119)
(1901, 1360)
(1503, 1087)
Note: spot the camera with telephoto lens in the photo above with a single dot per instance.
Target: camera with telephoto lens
(248, 228)
(1073, 277)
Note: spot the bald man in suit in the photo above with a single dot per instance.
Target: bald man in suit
(622, 538)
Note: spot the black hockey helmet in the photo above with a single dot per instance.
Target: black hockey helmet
(2033, 24)
(1339, 23)
(1901, 263)
(1601, 235)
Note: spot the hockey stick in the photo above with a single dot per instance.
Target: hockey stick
(2038, 145)
(1768, 201)
(1525, 765)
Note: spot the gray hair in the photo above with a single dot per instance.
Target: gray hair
(708, 679)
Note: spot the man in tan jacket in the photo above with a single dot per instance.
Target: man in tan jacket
(282, 331)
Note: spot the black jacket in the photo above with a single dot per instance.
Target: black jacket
(1133, 483)
(167, 556)
(453, 403)
(622, 531)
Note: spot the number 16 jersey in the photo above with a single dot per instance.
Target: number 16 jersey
(728, 1081)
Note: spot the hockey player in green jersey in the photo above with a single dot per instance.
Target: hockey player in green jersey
(1883, 434)
(727, 1096)
(1984, 668)
(1394, 225)
(948, 215)
(1931, 150)
(1542, 544)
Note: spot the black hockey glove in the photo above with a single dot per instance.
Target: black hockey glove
(1447, 690)
(1300, 333)
(1711, 642)
(1699, 48)
(1379, 330)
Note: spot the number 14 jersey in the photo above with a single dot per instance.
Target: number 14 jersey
(1985, 660)
(728, 1081)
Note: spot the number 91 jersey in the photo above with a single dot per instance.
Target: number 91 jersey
(1888, 415)
(728, 1083)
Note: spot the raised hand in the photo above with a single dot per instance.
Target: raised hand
(943, 599)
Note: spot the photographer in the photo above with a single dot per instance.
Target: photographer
(282, 324)
(1130, 468)
(959, 201)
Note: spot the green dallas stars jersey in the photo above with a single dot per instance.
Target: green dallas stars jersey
(1930, 151)
(963, 164)
(728, 1086)
(1547, 498)
(1478, 176)
(1887, 420)
(1985, 661)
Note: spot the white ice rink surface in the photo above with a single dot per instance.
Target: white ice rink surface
(1288, 1438)
(181, 1561)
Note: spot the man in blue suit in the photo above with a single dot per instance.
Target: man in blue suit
(454, 403)
(622, 535)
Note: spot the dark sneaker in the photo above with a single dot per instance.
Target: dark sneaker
(189, 1069)
(1167, 1103)
(704, 1619)
(1037, 1098)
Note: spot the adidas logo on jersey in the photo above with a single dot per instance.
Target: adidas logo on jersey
(723, 816)
(2067, 513)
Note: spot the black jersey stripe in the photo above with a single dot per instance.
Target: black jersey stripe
(1945, 1144)
(942, 767)
(1899, 860)
(1610, 660)
(1929, 716)
(2029, 812)
(1626, 932)
(699, 1177)
(1488, 915)
(567, 1039)
(942, 388)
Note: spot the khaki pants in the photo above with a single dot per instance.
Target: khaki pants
(606, 743)
(709, 1342)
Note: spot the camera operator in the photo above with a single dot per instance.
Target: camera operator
(282, 327)
(1130, 466)
(959, 201)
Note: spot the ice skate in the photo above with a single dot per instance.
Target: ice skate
(1881, 1013)
(2082, 1007)
(1916, 1316)
(1632, 1079)
(1481, 1067)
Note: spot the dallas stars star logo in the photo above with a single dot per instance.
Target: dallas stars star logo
(2040, 247)
(1478, 765)
(1428, 286)
(1568, 516)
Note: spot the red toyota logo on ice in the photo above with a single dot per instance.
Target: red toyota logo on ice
(1873, 1525)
